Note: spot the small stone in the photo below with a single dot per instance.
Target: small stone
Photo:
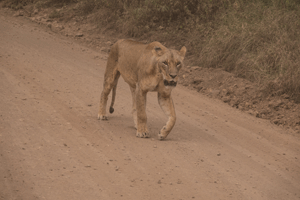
(196, 68)
(285, 96)
(35, 11)
(226, 99)
(18, 13)
(197, 80)
(214, 92)
(79, 35)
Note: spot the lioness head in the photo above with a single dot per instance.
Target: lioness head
(169, 63)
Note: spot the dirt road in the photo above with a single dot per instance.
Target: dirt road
(53, 147)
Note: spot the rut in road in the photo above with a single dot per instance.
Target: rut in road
(53, 147)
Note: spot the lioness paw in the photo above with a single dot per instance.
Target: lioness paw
(142, 134)
(102, 117)
(163, 133)
(161, 136)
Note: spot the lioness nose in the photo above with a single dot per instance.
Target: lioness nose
(173, 76)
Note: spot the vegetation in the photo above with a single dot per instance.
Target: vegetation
(256, 39)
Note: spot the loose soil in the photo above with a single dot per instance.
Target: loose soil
(265, 103)
(53, 147)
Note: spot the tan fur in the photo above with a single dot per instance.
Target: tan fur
(145, 67)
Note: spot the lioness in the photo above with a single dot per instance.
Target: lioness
(145, 67)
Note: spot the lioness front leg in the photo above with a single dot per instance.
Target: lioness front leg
(142, 130)
(134, 112)
(166, 104)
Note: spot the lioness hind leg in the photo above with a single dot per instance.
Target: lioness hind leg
(110, 81)
(103, 102)
(166, 103)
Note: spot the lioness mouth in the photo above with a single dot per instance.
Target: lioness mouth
(170, 83)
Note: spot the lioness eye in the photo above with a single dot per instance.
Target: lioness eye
(178, 64)
(165, 63)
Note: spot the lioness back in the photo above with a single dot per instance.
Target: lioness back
(129, 52)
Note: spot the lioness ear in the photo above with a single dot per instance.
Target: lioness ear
(157, 51)
(182, 52)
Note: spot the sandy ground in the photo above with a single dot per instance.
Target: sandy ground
(53, 147)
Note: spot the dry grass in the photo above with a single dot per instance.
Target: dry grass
(260, 44)
(19, 4)
(16, 4)
(256, 39)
